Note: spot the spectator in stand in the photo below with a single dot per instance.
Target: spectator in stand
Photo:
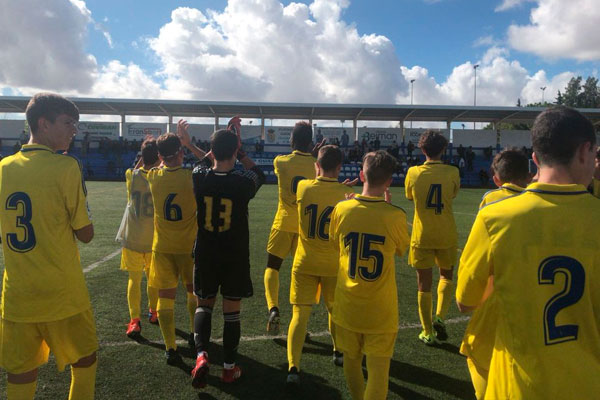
(85, 145)
(364, 145)
(484, 178)
(345, 139)
(394, 150)
(461, 151)
(470, 156)
(319, 136)
(410, 148)
(461, 166)
(23, 137)
(376, 143)
(488, 152)
(336, 141)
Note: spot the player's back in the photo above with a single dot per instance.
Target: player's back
(44, 200)
(546, 264)
(174, 210)
(432, 187)
(291, 169)
(137, 228)
(504, 191)
(596, 187)
(368, 233)
(222, 200)
(316, 199)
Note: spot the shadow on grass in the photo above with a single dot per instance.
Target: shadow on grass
(424, 377)
(309, 347)
(261, 381)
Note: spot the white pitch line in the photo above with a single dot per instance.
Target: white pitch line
(101, 261)
(270, 337)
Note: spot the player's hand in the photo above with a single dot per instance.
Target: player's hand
(315, 150)
(387, 195)
(182, 132)
(235, 124)
(350, 196)
(349, 182)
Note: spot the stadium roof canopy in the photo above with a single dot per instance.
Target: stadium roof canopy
(315, 111)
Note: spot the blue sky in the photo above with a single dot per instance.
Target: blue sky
(325, 51)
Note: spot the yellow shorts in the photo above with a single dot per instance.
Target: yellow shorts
(427, 258)
(355, 344)
(282, 243)
(24, 346)
(168, 268)
(479, 377)
(306, 289)
(135, 261)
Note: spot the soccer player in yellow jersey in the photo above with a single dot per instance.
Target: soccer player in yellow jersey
(541, 247)
(432, 187)
(290, 169)
(511, 174)
(174, 233)
(367, 232)
(135, 234)
(315, 263)
(45, 303)
(510, 170)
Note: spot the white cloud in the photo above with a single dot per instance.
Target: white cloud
(560, 29)
(43, 45)
(118, 80)
(485, 41)
(508, 4)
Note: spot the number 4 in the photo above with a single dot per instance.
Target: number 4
(434, 198)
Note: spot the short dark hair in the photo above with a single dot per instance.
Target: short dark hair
(302, 136)
(48, 106)
(432, 143)
(330, 157)
(378, 166)
(223, 144)
(149, 150)
(511, 165)
(558, 132)
(168, 145)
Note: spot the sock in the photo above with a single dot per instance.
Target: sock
(378, 369)
(20, 391)
(332, 332)
(444, 299)
(354, 377)
(152, 296)
(272, 287)
(202, 328)
(297, 334)
(134, 293)
(192, 303)
(231, 336)
(425, 306)
(166, 320)
(83, 382)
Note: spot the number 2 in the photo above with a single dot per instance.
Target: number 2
(434, 198)
(23, 221)
(571, 293)
(359, 245)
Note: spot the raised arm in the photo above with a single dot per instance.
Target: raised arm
(184, 136)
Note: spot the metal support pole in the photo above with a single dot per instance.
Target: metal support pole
(122, 126)
(216, 123)
(169, 123)
(355, 129)
(262, 128)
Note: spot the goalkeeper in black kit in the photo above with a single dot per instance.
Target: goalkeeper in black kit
(222, 253)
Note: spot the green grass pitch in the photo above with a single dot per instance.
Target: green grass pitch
(129, 370)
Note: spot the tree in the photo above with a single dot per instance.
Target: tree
(590, 97)
(559, 99)
(519, 102)
(572, 96)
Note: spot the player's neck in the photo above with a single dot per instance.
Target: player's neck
(559, 175)
(331, 174)
(373, 191)
(224, 166)
(432, 159)
(42, 140)
(172, 164)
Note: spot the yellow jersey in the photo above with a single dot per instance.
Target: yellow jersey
(291, 169)
(316, 199)
(175, 225)
(43, 199)
(137, 226)
(432, 187)
(542, 248)
(367, 232)
(504, 191)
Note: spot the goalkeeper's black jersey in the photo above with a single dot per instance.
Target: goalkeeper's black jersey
(222, 199)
